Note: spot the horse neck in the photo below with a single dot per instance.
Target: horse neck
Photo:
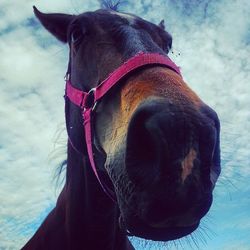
(91, 216)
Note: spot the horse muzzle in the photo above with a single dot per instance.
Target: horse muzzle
(169, 156)
(166, 142)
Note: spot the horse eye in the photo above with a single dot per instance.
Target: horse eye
(76, 36)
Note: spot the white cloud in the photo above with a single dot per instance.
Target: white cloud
(214, 56)
(31, 107)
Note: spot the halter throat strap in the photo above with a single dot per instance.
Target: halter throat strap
(88, 100)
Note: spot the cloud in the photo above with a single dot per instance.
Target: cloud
(212, 38)
(31, 107)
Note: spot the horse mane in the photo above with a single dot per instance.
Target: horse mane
(110, 4)
(59, 174)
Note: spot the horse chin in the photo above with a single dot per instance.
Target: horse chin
(138, 228)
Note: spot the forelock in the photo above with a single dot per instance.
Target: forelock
(110, 4)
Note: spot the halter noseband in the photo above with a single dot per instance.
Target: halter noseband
(88, 100)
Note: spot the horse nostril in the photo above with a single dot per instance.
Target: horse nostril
(147, 147)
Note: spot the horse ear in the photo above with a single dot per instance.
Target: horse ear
(56, 23)
(162, 25)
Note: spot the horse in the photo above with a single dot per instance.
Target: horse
(143, 150)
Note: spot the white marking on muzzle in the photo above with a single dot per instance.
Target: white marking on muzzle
(187, 164)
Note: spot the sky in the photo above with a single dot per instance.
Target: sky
(211, 44)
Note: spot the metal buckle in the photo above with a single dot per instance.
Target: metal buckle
(90, 100)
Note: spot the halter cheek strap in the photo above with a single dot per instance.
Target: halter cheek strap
(88, 100)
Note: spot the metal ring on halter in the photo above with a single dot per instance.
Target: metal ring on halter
(90, 102)
(94, 106)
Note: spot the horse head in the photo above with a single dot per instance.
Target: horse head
(154, 138)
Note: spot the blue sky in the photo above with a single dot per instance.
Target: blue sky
(211, 43)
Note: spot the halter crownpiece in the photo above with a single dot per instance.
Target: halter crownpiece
(87, 100)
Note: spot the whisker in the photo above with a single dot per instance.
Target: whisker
(194, 240)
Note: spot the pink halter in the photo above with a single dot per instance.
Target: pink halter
(88, 100)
